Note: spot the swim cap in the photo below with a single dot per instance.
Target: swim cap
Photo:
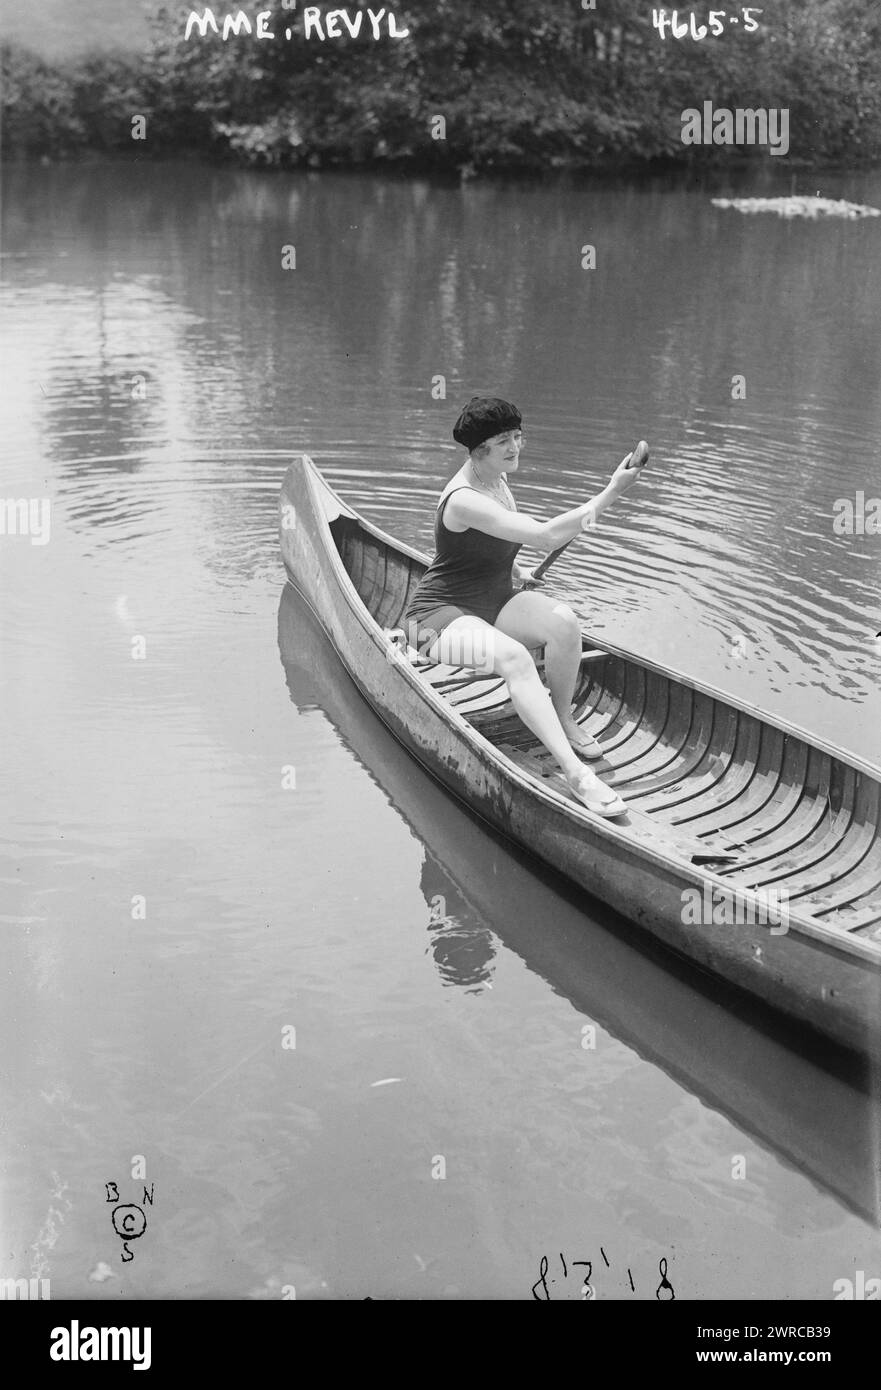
(483, 417)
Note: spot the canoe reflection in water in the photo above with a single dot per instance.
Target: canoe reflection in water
(809, 1104)
(463, 954)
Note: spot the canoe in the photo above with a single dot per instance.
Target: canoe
(749, 847)
(480, 898)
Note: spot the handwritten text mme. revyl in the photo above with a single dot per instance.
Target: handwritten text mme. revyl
(332, 24)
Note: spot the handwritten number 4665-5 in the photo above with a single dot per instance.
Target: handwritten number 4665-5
(541, 1292)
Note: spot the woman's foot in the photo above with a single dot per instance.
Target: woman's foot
(585, 744)
(595, 795)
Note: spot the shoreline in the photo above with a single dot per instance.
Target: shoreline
(705, 176)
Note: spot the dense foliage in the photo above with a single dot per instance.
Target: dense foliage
(519, 83)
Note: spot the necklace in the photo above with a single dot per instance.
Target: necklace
(497, 491)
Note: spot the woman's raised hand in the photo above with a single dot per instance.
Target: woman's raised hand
(630, 468)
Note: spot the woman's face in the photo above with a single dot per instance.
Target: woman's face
(502, 452)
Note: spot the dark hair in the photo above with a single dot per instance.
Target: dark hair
(483, 417)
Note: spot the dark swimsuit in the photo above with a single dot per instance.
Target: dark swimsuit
(470, 574)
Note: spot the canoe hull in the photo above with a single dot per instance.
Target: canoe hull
(833, 989)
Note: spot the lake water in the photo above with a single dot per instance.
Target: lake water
(206, 975)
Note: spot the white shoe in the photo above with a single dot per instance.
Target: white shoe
(596, 796)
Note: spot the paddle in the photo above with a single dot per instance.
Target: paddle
(637, 459)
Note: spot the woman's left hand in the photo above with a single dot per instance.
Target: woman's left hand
(528, 580)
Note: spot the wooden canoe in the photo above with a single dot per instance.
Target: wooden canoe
(749, 847)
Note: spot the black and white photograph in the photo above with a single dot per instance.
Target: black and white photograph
(440, 643)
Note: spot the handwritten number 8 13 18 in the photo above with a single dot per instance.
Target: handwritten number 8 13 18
(541, 1291)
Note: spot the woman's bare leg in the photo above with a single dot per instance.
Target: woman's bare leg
(538, 620)
(471, 642)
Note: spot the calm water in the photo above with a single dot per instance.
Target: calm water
(169, 909)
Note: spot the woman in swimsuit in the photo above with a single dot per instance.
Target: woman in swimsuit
(467, 612)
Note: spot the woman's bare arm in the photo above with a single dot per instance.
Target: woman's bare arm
(468, 508)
